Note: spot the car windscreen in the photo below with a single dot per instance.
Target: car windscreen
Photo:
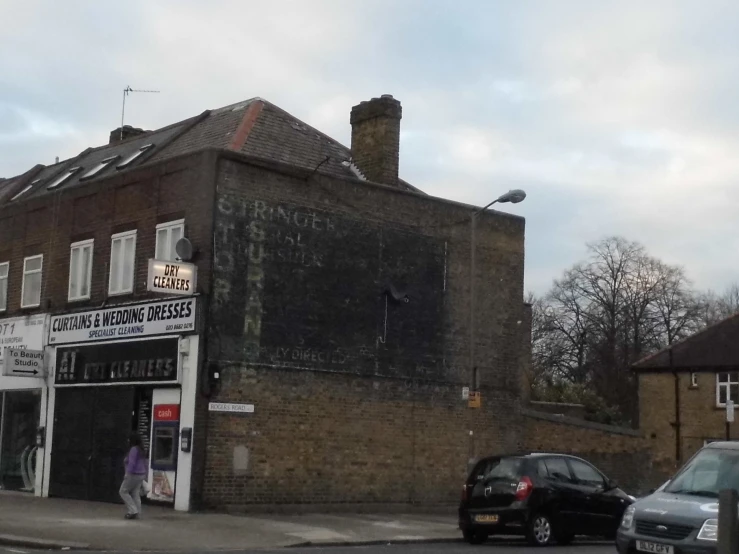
(708, 473)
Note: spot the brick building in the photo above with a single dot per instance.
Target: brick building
(683, 391)
(323, 354)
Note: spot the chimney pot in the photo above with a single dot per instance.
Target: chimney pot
(376, 138)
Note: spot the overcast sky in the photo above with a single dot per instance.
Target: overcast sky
(615, 117)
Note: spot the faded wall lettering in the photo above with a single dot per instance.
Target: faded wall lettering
(305, 288)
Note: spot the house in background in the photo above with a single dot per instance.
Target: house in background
(683, 391)
(320, 349)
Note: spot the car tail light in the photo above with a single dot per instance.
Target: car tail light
(465, 491)
(523, 491)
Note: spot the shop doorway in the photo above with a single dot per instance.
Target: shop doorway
(90, 439)
(20, 419)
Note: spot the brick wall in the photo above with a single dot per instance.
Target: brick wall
(621, 454)
(356, 399)
(700, 419)
(135, 200)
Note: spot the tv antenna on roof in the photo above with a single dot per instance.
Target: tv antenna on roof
(126, 92)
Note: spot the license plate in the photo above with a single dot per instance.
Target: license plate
(486, 518)
(655, 548)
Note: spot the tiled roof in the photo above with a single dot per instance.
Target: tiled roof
(254, 127)
(714, 347)
(90, 158)
(278, 136)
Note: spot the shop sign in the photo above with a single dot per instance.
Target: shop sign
(22, 362)
(167, 412)
(127, 321)
(145, 361)
(22, 333)
(172, 277)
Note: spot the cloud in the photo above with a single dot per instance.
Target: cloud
(616, 117)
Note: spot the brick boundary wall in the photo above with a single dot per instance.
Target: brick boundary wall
(621, 453)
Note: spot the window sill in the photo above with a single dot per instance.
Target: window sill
(78, 300)
(117, 294)
(33, 307)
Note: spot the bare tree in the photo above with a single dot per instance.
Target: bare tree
(605, 313)
(716, 307)
(678, 308)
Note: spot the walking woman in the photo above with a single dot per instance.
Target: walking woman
(137, 471)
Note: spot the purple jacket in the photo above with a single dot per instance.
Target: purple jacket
(136, 463)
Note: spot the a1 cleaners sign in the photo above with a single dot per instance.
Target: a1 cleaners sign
(124, 322)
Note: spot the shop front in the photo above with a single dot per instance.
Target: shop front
(22, 406)
(118, 371)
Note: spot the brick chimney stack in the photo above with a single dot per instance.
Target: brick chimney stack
(376, 139)
(128, 132)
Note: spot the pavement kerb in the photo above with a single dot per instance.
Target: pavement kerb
(32, 542)
(328, 544)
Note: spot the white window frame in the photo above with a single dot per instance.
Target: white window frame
(169, 226)
(6, 267)
(81, 245)
(113, 238)
(32, 272)
(733, 380)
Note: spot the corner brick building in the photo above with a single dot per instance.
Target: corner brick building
(323, 355)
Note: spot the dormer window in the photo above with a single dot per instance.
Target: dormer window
(133, 156)
(63, 177)
(99, 167)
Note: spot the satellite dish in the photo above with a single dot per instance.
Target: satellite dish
(184, 249)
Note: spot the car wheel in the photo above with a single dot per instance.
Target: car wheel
(473, 536)
(539, 530)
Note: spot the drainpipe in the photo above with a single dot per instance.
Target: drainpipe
(678, 446)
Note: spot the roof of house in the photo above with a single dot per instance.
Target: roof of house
(714, 347)
(254, 127)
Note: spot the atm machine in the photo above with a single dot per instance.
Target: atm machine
(165, 430)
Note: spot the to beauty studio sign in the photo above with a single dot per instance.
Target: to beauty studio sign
(172, 317)
(26, 333)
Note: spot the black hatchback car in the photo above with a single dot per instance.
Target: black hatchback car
(544, 497)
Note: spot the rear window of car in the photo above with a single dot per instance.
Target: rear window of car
(498, 468)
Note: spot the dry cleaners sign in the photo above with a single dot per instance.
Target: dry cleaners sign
(125, 322)
(172, 277)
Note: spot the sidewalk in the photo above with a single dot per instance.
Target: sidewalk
(80, 525)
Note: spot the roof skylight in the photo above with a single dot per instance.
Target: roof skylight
(133, 156)
(25, 190)
(63, 177)
(99, 167)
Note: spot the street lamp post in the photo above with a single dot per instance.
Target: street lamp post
(513, 196)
